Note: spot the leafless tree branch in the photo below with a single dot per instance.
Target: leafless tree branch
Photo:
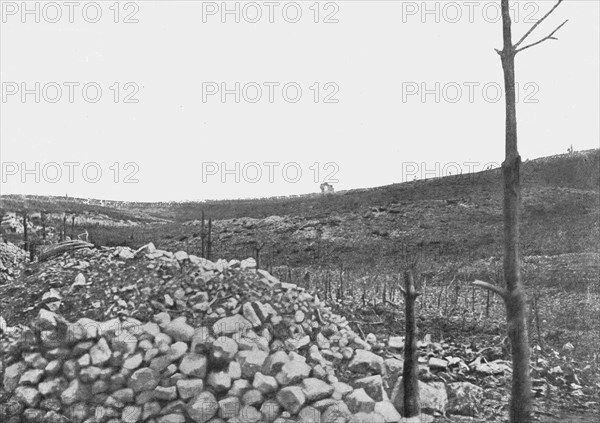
(538, 23)
(494, 288)
(549, 37)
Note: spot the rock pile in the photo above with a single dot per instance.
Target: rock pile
(234, 345)
(258, 362)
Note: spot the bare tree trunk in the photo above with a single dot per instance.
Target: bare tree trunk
(209, 239)
(44, 226)
(514, 294)
(64, 228)
(516, 313)
(410, 373)
(25, 240)
(341, 291)
(202, 235)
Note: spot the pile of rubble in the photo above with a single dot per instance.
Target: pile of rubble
(11, 261)
(231, 344)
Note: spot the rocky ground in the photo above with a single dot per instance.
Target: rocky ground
(113, 334)
(12, 259)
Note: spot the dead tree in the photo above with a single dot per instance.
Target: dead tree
(25, 239)
(257, 248)
(209, 239)
(341, 287)
(410, 373)
(514, 294)
(43, 216)
(64, 228)
(202, 235)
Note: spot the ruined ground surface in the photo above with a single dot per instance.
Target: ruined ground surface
(350, 248)
(101, 284)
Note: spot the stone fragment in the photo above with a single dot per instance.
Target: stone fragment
(194, 365)
(359, 402)
(179, 330)
(315, 389)
(188, 388)
(251, 362)
(203, 407)
(291, 398)
(100, 353)
(264, 383)
(28, 396)
(12, 374)
(434, 397)
(144, 379)
(293, 372)
(365, 361)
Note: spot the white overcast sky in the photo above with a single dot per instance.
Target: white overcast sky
(376, 54)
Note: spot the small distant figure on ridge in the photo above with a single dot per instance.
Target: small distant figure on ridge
(326, 188)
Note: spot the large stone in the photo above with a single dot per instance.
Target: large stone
(365, 362)
(124, 395)
(133, 362)
(100, 353)
(131, 414)
(144, 379)
(194, 365)
(293, 372)
(223, 349)
(315, 389)
(264, 383)
(177, 350)
(52, 386)
(433, 396)
(396, 342)
(203, 407)
(387, 410)
(359, 401)
(31, 377)
(75, 392)
(250, 314)
(291, 399)
(437, 364)
(373, 386)
(12, 374)
(464, 399)
(252, 397)
(219, 381)
(342, 389)
(28, 396)
(251, 362)
(179, 330)
(275, 362)
(189, 388)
